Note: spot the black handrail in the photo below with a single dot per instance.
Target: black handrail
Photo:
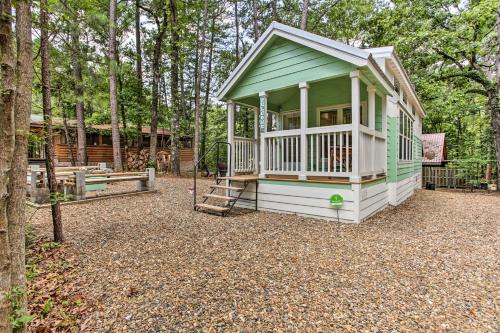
(196, 164)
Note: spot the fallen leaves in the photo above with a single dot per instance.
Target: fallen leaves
(149, 263)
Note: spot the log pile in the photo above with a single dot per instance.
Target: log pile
(139, 160)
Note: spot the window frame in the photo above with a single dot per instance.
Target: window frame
(406, 128)
(340, 112)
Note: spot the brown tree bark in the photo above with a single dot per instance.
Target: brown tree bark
(255, 20)
(7, 144)
(197, 88)
(495, 118)
(113, 99)
(207, 95)
(157, 53)
(122, 112)
(274, 10)
(305, 9)
(17, 189)
(47, 117)
(174, 87)
(237, 39)
(67, 136)
(138, 68)
(78, 89)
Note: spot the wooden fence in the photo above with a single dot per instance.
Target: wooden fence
(458, 177)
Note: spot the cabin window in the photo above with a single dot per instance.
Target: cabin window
(92, 139)
(106, 140)
(291, 120)
(405, 136)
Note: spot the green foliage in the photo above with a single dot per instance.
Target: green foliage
(47, 308)
(18, 316)
(50, 245)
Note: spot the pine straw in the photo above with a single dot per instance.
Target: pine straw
(149, 263)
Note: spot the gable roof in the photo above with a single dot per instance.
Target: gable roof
(354, 55)
(371, 58)
(434, 148)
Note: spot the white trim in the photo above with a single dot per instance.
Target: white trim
(340, 112)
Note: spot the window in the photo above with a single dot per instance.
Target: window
(272, 121)
(291, 120)
(92, 139)
(341, 114)
(405, 137)
(328, 117)
(106, 140)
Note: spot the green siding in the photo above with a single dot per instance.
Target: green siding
(392, 149)
(284, 63)
(405, 170)
(417, 155)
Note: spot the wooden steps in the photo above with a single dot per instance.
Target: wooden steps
(231, 188)
(216, 196)
(217, 209)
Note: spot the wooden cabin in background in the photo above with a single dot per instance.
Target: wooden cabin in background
(99, 144)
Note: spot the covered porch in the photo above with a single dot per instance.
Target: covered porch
(308, 131)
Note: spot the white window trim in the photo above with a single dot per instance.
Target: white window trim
(340, 113)
(282, 114)
(410, 138)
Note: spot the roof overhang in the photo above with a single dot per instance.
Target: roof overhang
(354, 55)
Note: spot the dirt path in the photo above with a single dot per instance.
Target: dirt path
(149, 264)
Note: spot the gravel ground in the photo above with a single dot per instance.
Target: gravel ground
(149, 264)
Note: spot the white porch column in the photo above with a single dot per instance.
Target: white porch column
(392, 111)
(230, 137)
(263, 128)
(355, 107)
(371, 123)
(304, 89)
(256, 160)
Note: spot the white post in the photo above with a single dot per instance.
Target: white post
(355, 107)
(263, 128)
(230, 137)
(384, 128)
(256, 160)
(392, 111)
(304, 89)
(371, 124)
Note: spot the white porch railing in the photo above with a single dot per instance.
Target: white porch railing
(372, 151)
(329, 151)
(282, 152)
(244, 154)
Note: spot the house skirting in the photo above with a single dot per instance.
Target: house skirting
(312, 199)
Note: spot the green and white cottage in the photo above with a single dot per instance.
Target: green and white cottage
(308, 144)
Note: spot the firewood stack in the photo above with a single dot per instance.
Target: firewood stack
(139, 160)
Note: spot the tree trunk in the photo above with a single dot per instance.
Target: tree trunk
(494, 100)
(78, 89)
(207, 95)
(138, 69)
(274, 9)
(199, 70)
(237, 26)
(157, 53)
(113, 100)
(174, 87)
(305, 9)
(7, 145)
(47, 117)
(122, 112)
(16, 204)
(69, 141)
(255, 21)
